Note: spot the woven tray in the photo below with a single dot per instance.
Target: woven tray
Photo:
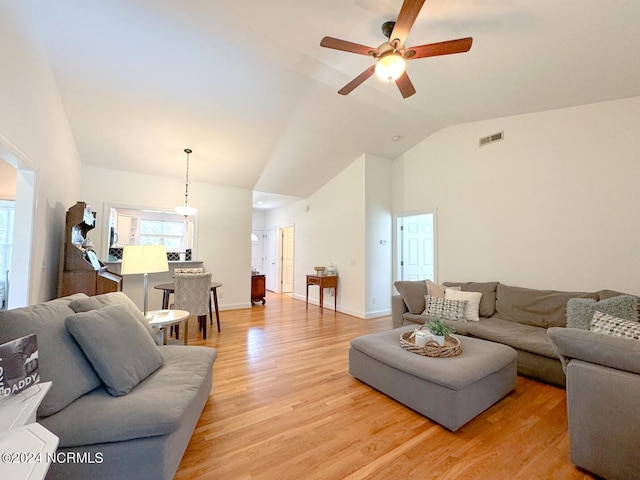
(431, 349)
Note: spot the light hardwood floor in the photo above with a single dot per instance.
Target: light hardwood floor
(283, 406)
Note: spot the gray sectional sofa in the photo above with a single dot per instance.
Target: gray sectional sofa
(514, 316)
(124, 405)
(603, 387)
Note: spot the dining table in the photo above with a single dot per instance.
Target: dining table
(170, 287)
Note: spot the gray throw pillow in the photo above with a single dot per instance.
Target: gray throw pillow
(60, 359)
(118, 347)
(580, 310)
(109, 299)
(412, 293)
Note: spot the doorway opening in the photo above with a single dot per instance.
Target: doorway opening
(415, 238)
(17, 278)
(286, 259)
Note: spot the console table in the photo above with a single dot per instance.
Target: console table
(27, 446)
(323, 281)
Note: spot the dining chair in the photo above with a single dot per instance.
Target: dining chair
(193, 293)
(192, 270)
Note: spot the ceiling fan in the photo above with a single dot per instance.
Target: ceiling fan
(392, 55)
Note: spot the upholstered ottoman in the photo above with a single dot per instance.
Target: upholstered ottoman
(450, 391)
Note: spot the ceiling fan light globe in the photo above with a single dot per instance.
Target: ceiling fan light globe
(186, 211)
(390, 67)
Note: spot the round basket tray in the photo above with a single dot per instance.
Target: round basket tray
(431, 349)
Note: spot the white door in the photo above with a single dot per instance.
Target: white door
(271, 256)
(287, 260)
(257, 256)
(416, 241)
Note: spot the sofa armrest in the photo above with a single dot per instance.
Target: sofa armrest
(614, 352)
(398, 309)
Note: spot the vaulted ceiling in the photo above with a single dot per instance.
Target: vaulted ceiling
(246, 85)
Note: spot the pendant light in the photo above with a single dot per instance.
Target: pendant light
(185, 209)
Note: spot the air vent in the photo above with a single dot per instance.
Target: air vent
(491, 138)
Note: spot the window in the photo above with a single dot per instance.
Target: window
(130, 225)
(160, 232)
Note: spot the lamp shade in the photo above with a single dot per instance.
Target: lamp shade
(144, 259)
(186, 210)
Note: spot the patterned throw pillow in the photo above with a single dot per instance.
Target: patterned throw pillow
(614, 326)
(473, 306)
(443, 308)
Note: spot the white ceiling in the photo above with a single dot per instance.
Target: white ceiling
(246, 86)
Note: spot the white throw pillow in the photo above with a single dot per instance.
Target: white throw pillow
(472, 312)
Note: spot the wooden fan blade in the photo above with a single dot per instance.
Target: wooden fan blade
(356, 82)
(337, 44)
(460, 45)
(407, 16)
(406, 87)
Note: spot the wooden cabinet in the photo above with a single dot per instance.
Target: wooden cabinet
(258, 288)
(82, 272)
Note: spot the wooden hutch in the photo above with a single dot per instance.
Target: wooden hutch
(81, 269)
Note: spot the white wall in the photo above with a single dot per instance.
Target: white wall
(555, 205)
(223, 240)
(378, 236)
(344, 223)
(331, 230)
(35, 134)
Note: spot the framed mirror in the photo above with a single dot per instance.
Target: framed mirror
(129, 225)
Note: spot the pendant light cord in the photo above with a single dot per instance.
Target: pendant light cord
(186, 182)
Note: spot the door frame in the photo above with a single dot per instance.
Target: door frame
(397, 241)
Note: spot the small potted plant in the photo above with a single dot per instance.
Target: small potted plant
(439, 330)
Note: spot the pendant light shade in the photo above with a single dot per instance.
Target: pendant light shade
(185, 209)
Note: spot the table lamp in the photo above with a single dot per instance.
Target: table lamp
(144, 259)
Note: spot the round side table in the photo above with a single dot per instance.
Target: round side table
(161, 319)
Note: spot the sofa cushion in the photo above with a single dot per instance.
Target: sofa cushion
(615, 326)
(445, 309)
(614, 352)
(580, 310)
(488, 290)
(517, 335)
(155, 407)
(412, 292)
(540, 308)
(118, 347)
(473, 299)
(108, 299)
(60, 359)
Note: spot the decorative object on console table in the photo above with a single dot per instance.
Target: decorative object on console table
(18, 365)
(144, 259)
(258, 285)
(82, 272)
(323, 281)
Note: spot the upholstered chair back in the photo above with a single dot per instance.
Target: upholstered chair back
(193, 292)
